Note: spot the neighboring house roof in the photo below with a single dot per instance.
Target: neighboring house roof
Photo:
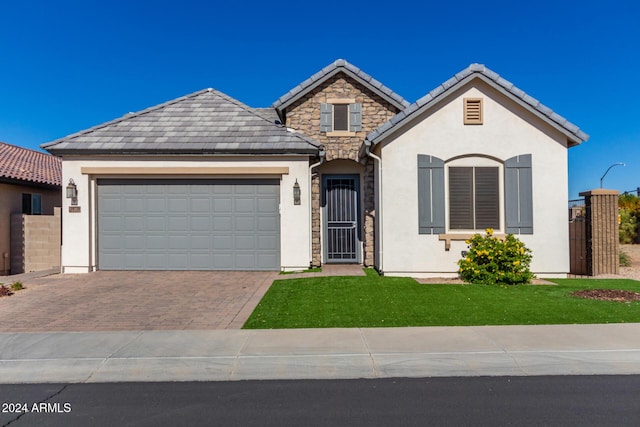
(30, 166)
(573, 133)
(204, 122)
(340, 66)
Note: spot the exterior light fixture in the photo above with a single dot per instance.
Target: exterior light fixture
(296, 193)
(72, 192)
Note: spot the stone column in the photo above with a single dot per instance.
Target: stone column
(603, 249)
(315, 221)
(369, 214)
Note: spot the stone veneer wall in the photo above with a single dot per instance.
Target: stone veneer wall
(304, 117)
(35, 242)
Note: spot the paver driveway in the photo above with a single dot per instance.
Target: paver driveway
(134, 300)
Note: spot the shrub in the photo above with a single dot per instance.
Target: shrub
(491, 261)
(625, 259)
(629, 213)
(16, 286)
(628, 230)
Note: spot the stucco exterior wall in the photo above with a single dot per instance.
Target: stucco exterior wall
(508, 131)
(11, 203)
(79, 248)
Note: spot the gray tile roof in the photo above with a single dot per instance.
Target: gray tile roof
(331, 70)
(204, 122)
(573, 133)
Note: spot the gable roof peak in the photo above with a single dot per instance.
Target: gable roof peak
(340, 66)
(475, 70)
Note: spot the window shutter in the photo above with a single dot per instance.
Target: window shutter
(355, 117)
(326, 118)
(518, 194)
(430, 195)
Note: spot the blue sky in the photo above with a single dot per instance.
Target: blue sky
(69, 65)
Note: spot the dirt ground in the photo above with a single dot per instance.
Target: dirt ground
(632, 272)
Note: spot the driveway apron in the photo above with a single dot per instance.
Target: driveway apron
(135, 300)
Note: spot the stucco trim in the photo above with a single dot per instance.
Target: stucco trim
(448, 237)
(339, 133)
(341, 100)
(185, 171)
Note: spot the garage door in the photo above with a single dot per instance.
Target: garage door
(188, 224)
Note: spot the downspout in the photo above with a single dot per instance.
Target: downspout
(367, 148)
(322, 154)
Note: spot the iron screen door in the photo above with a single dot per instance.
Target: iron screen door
(341, 218)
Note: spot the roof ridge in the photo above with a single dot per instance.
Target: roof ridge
(295, 133)
(139, 113)
(26, 148)
(332, 69)
(478, 69)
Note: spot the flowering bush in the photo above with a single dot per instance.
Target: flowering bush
(491, 261)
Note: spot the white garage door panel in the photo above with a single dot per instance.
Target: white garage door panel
(188, 225)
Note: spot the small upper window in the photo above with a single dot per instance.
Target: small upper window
(340, 115)
(473, 111)
(31, 204)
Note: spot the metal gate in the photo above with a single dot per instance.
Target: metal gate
(578, 237)
(341, 218)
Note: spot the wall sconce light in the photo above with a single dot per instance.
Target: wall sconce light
(296, 193)
(72, 192)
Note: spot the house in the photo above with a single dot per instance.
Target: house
(339, 170)
(29, 184)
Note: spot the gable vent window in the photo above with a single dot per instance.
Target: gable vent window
(472, 111)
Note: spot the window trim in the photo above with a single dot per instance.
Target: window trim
(475, 161)
(340, 101)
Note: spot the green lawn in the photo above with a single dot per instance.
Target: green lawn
(372, 301)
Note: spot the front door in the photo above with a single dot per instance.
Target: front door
(341, 218)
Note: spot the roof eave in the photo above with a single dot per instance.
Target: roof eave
(29, 183)
(225, 152)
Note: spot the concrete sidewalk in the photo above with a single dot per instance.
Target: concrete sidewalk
(221, 355)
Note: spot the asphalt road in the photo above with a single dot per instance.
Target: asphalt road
(495, 401)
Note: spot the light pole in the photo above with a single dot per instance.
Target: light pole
(607, 171)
